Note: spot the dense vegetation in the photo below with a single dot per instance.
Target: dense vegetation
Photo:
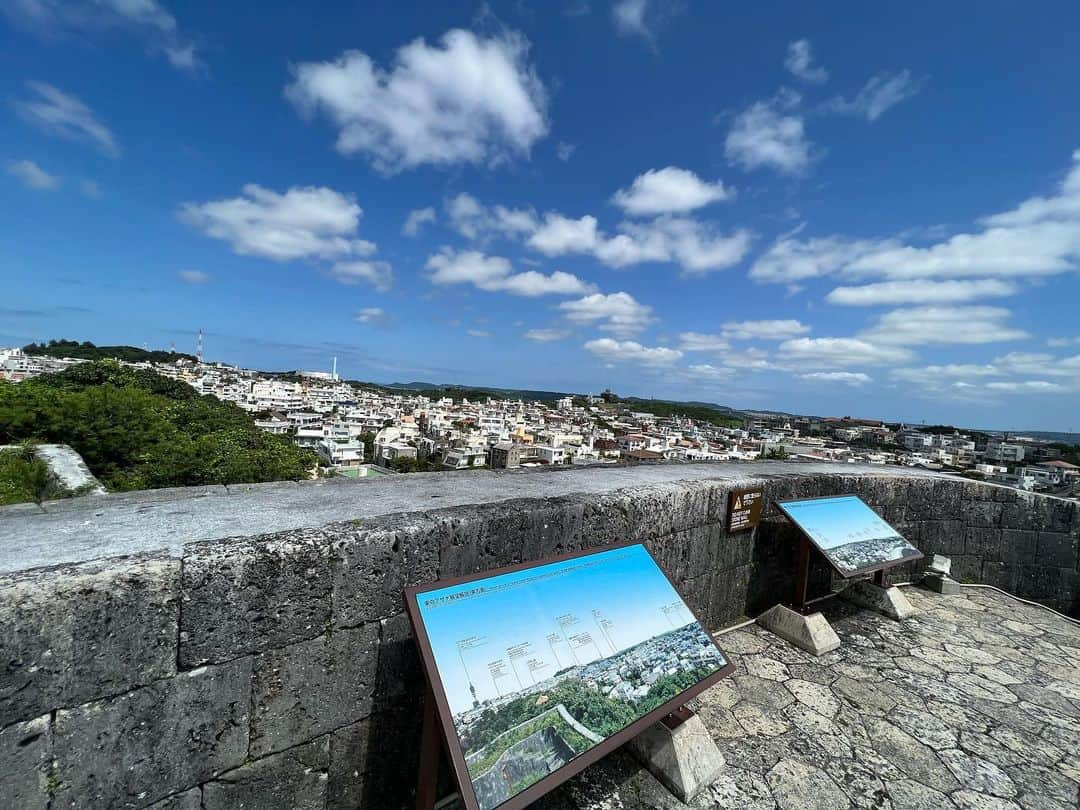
(139, 430)
(663, 408)
(23, 476)
(88, 351)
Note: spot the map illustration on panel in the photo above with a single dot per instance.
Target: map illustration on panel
(849, 533)
(541, 664)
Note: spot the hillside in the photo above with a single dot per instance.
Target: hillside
(88, 351)
(139, 430)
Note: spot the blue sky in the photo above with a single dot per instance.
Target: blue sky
(525, 613)
(873, 212)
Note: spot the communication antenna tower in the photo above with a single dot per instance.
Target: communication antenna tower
(199, 347)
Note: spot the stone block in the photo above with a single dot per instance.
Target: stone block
(294, 779)
(685, 759)
(244, 596)
(890, 602)
(984, 514)
(131, 750)
(374, 763)
(304, 690)
(942, 584)
(26, 754)
(399, 676)
(77, 633)
(811, 632)
(1017, 546)
(1057, 550)
(943, 536)
(967, 568)
(1000, 575)
(369, 574)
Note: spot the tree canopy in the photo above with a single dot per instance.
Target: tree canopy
(138, 430)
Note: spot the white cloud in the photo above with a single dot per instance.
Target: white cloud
(194, 276)
(374, 316)
(709, 372)
(832, 352)
(764, 330)
(417, 218)
(90, 189)
(467, 99)
(564, 151)
(1061, 342)
(378, 274)
(61, 115)
(694, 246)
(1039, 237)
(495, 274)
(914, 326)
(629, 351)
(474, 220)
(930, 375)
(477, 333)
(546, 335)
(618, 313)
(670, 190)
(853, 378)
(306, 222)
(699, 342)
(878, 95)
(629, 18)
(1035, 364)
(921, 292)
(146, 18)
(800, 63)
(1026, 387)
(767, 134)
(33, 176)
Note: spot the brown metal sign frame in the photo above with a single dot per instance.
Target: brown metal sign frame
(754, 517)
(450, 741)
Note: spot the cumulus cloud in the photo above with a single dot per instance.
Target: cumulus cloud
(880, 94)
(629, 351)
(546, 335)
(478, 333)
(1061, 342)
(33, 176)
(769, 134)
(921, 292)
(147, 19)
(194, 276)
(416, 219)
(700, 342)
(1026, 387)
(669, 191)
(706, 371)
(852, 378)
(495, 274)
(374, 316)
(841, 352)
(764, 330)
(467, 99)
(305, 222)
(1039, 237)
(618, 313)
(62, 115)
(474, 220)
(914, 326)
(629, 18)
(800, 63)
(694, 246)
(378, 274)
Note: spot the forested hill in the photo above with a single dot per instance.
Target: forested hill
(138, 430)
(88, 351)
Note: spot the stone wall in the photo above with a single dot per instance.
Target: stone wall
(278, 669)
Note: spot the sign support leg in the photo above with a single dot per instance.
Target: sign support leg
(430, 748)
(879, 578)
(802, 575)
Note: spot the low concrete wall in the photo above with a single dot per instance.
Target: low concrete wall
(278, 669)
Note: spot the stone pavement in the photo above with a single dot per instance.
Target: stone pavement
(974, 704)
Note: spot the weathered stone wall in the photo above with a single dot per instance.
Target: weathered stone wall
(278, 670)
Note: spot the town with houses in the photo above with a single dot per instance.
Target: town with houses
(359, 431)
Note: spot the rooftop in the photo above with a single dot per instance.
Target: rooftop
(974, 703)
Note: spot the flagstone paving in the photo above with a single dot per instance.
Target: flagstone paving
(973, 704)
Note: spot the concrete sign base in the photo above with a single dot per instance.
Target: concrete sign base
(942, 584)
(685, 758)
(807, 632)
(889, 601)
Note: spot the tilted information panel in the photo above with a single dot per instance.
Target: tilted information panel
(851, 535)
(538, 670)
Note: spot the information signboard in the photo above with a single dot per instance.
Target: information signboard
(538, 670)
(851, 535)
(744, 509)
